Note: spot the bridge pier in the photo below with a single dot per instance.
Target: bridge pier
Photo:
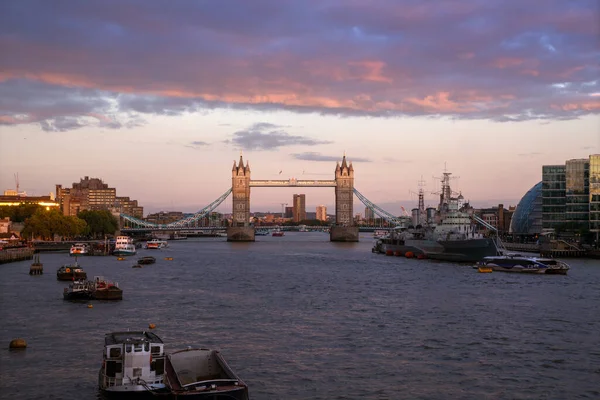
(240, 234)
(343, 234)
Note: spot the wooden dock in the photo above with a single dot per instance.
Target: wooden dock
(15, 254)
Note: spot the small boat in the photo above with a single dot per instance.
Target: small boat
(202, 374)
(484, 269)
(147, 260)
(380, 233)
(524, 264)
(70, 272)
(261, 232)
(79, 249)
(277, 232)
(156, 244)
(79, 290)
(176, 236)
(132, 362)
(169, 258)
(124, 246)
(137, 266)
(106, 290)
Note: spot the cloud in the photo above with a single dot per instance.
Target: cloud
(197, 144)
(312, 156)
(498, 60)
(267, 136)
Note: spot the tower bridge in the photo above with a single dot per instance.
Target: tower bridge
(343, 230)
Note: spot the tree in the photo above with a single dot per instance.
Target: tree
(100, 222)
(47, 223)
(19, 213)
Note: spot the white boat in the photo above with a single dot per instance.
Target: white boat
(79, 249)
(524, 264)
(132, 362)
(156, 244)
(378, 234)
(124, 246)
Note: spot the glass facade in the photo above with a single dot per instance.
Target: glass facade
(527, 218)
(577, 213)
(553, 196)
(594, 189)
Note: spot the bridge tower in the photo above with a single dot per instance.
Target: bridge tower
(240, 229)
(344, 229)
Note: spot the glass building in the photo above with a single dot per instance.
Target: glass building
(594, 189)
(553, 196)
(527, 218)
(577, 191)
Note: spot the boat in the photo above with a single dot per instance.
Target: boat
(79, 249)
(70, 272)
(106, 290)
(156, 244)
(124, 246)
(197, 374)
(176, 236)
(137, 266)
(379, 234)
(524, 264)
(79, 289)
(147, 260)
(261, 232)
(132, 362)
(484, 269)
(277, 232)
(303, 228)
(449, 233)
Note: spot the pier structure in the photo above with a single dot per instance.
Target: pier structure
(344, 229)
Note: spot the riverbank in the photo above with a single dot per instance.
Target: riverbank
(15, 254)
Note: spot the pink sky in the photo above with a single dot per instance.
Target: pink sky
(158, 99)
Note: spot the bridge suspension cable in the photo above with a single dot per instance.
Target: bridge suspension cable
(182, 222)
(380, 211)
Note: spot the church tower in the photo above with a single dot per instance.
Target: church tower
(344, 193)
(240, 184)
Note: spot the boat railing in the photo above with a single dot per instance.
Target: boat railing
(210, 382)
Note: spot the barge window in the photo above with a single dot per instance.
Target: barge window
(146, 346)
(128, 348)
(138, 348)
(115, 352)
(155, 349)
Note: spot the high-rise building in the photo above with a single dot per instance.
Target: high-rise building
(289, 212)
(553, 196)
(321, 213)
(93, 194)
(577, 176)
(594, 198)
(571, 195)
(299, 207)
(369, 215)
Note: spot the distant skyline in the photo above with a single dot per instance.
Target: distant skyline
(157, 99)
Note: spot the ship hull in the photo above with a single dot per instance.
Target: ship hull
(469, 250)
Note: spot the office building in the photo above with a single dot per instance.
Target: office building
(93, 194)
(369, 215)
(321, 213)
(299, 207)
(553, 196)
(571, 195)
(594, 196)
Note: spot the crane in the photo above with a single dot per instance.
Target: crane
(17, 182)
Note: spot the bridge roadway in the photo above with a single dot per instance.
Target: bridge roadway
(292, 182)
(223, 228)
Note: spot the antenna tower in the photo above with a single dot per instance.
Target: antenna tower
(17, 182)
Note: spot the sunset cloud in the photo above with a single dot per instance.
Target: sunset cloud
(72, 64)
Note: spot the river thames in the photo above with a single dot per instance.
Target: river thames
(298, 317)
